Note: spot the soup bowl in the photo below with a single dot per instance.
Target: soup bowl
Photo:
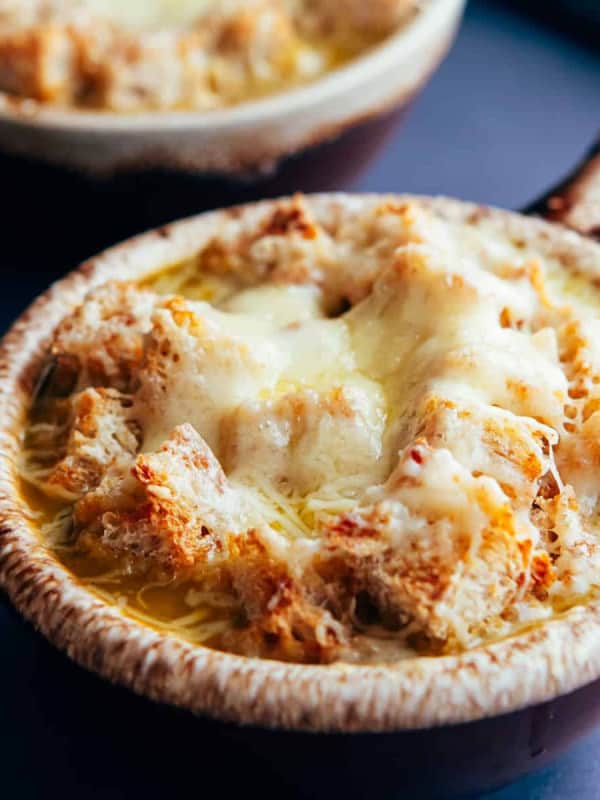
(426, 726)
(123, 173)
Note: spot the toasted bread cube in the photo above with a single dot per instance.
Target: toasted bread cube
(441, 550)
(572, 543)
(196, 370)
(282, 620)
(139, 75)
(38, 63)
(102, 433)
(374, 18)
(173, 511)
(513, 450)
(103, 339)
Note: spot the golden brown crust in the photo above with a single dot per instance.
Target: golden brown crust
(39, 64)
(102, 431)
(142, 519)
(432, 574)
(514, 449)
(282, 621)
(452, 550)
(103, 338)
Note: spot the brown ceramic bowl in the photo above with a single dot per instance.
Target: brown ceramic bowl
(251, 136)
(432, 726)
(126, 173)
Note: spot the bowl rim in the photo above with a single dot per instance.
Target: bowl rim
(552, 659)
(365, 67)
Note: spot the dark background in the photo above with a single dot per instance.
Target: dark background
(509, 113)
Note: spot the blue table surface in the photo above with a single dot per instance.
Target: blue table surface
(511, 110)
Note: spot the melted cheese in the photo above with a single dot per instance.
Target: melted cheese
(272, 386)
(144, 15)
(433, 448)
(150, 55)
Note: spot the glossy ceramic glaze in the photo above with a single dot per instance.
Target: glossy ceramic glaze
(452, 761)
(101, 210)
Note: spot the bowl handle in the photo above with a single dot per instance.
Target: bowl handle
(575, 202)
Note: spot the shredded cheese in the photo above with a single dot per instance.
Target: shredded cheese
(397, 418)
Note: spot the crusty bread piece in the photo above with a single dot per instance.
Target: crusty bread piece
(442, 550)
(170, 511)
(374, 18)
(282, 616)
(103, 338)
(102, 433)
(40, 63)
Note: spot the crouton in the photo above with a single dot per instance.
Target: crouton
(39, 63)
(515, 451)
(172, 512)
(103, 339)
(196, 370)
(101, 433)
(441, 549)
(290, 245)
(373, 19)
(571, 542)
(281, 620)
